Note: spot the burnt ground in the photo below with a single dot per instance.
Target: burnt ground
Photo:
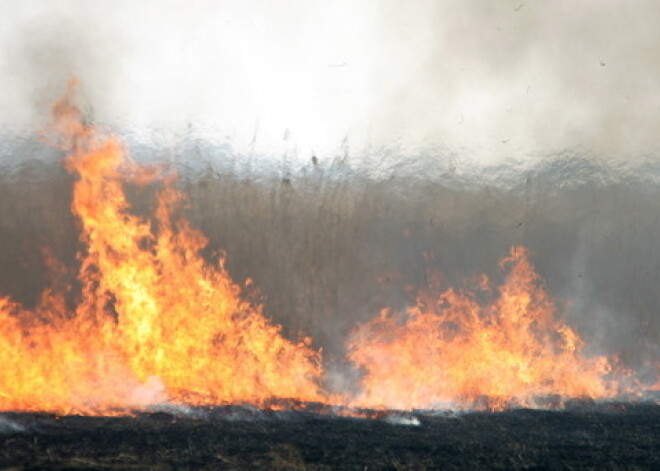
(599, 437)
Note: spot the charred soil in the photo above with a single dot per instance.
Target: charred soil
(586, 436)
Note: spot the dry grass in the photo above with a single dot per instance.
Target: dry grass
(328, 248)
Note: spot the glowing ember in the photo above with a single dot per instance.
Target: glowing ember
(454, 349)
(154, 320)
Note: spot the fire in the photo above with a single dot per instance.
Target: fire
(457, 349)
(154, 321)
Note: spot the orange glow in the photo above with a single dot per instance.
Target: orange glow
(154, 321)
(655, 386)
(458, 350)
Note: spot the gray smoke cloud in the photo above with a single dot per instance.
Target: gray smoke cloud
(492, 80)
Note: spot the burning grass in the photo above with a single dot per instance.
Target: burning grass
(453, 349)
(157, 322)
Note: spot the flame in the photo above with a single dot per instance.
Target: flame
(154, 321)
(456, 349)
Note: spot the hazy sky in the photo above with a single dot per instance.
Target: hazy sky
(492, 79)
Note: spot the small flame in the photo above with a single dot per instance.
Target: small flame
(155, 321)
(455, 350)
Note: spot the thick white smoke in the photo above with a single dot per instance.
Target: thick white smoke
(493, 80)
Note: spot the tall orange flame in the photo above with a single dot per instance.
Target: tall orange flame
(155, 321)
(454, 350)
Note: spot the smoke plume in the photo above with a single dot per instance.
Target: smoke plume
(490, 82)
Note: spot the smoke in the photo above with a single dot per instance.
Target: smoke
(8, 426)
(43, 46)
(490, 81)
(510, 79)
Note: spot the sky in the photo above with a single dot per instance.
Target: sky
(494, 80)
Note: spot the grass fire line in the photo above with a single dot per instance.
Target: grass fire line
(157, 322)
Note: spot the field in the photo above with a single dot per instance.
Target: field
(326, 248)
(584, 436)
